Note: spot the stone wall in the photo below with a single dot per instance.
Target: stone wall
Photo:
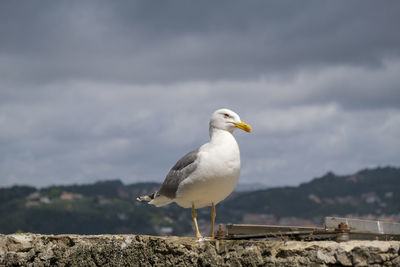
(140, 250)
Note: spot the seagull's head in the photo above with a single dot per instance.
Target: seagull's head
(226, 119)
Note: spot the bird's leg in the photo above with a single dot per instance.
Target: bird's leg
(194, 215)
(213, 214)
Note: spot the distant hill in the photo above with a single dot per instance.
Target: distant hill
(103, 207)
(370, 192)
(246, 187)
(111, 207)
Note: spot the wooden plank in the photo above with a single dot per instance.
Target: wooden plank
(354, 229)
(365, 226)
(249, 229)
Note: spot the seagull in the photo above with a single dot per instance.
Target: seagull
(206, 175)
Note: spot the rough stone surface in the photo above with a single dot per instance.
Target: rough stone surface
(139, 250)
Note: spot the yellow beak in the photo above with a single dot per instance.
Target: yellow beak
(244, 126)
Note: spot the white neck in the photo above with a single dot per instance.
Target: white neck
(216, 133)
(221, 136)
(225, 146)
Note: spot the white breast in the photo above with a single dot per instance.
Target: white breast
(216, 175)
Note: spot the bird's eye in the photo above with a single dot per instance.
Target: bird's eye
(226, 116)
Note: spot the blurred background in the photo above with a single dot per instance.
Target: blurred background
(98, 99)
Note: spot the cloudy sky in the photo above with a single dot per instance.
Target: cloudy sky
(95, 90)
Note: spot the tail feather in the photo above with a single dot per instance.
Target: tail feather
(147, 198)
(155, 199)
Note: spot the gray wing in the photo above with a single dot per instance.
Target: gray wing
(182, 169)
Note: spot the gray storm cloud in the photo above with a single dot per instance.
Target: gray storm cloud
(98, 89)
(147, 42)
